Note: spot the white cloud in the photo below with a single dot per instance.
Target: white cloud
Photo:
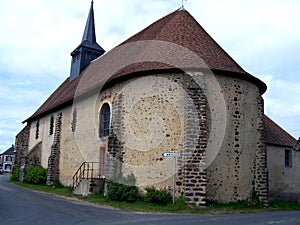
(282, 103)
(277, 101)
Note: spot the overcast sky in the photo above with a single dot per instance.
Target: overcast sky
(37, 37)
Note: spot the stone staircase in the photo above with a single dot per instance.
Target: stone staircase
(87, 179)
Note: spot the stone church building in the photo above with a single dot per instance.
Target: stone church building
(168, 88)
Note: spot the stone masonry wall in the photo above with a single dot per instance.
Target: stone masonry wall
(261, 170)
(152, 123)
(114, 156)
(53, 161)
(30, 159)
(231, 174)
(21, 145)
(150, 115)
(160, 112)
(195, 140)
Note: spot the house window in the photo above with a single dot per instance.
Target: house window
(104, 119)
(8, 158)
(288, 158)
(7, 167)
(37, 129)
(51, 127)
(74, 120)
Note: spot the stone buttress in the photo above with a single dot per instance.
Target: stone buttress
(195, 143)
(53, 160)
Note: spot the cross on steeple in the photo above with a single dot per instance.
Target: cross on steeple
(182, 5)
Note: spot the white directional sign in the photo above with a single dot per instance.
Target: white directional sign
(171, 154)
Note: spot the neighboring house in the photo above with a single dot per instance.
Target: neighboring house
(283, 163)
(7, 159)
(170, 86)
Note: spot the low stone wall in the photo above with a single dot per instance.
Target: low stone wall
(21, 145)
(30, 159)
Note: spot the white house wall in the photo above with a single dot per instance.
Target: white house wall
(284, 182)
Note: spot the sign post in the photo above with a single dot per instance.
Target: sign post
(174, 180)
(173, 153)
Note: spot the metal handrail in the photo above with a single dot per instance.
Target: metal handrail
(87, 170)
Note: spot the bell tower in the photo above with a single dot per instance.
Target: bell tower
(88, 49)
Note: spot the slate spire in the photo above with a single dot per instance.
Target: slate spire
(88, 49)
(89, 31)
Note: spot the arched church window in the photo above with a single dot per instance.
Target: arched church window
(104, 120)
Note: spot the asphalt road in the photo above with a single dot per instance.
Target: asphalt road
(19, 206)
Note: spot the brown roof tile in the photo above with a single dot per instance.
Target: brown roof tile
(181, 28)
(275, 135)
(178, 28)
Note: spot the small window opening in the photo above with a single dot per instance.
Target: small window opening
(288, 158)
(37, 129)
(51, 126)
(88, 55)
(104, 120)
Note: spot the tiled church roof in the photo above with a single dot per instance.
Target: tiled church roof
(275, 135)
(179, 28)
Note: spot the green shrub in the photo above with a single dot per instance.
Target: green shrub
(36, 175)
(15, 175)
(122, 192)
(157, 196)
(180, 203)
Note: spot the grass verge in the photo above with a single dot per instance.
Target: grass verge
(178, 207)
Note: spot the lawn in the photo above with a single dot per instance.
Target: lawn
(178, 207)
